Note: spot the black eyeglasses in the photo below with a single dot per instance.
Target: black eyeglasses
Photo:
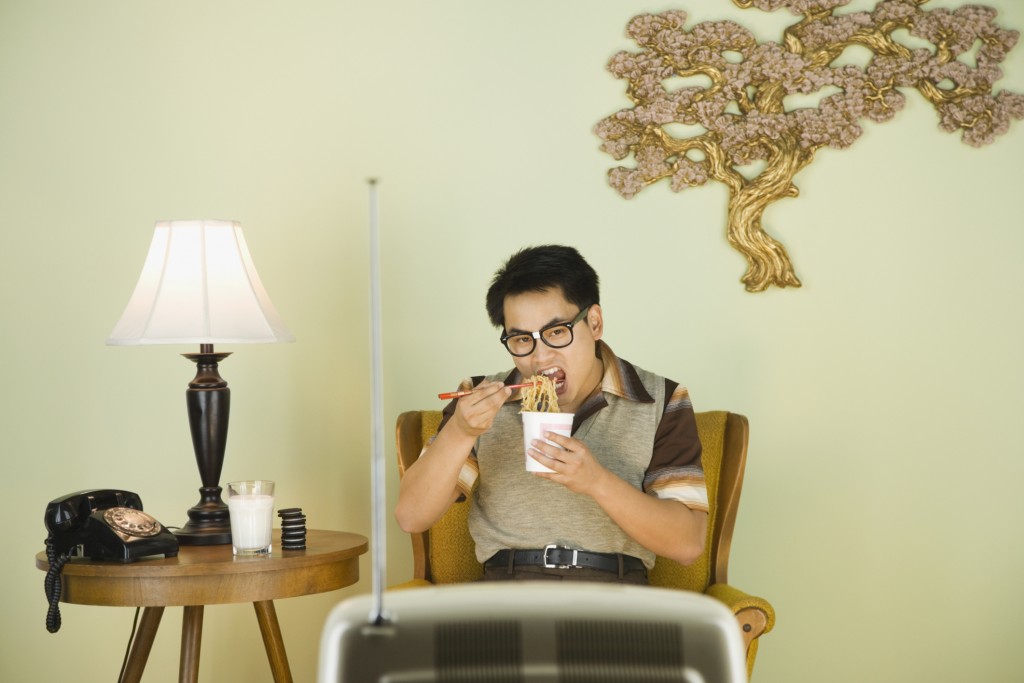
(555, 335)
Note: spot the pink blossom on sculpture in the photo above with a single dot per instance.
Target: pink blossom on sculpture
(833, 30)
(689, 173)
(798, 6)
(895, 12)
(745, 123)
(627, 181)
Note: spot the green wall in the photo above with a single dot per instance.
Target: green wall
(884, 466)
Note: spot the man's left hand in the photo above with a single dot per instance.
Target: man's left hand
(575, 467)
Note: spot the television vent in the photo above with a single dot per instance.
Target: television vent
(478, 652)
(620, 652)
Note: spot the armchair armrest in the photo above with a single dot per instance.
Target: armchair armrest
(759, 609)
(755, 615)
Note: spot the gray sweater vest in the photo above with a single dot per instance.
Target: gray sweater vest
(512, 508)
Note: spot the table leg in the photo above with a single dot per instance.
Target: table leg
(142, 643)
(271, 630)
(191, 636)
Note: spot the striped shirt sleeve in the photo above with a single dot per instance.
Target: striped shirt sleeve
(470, 471)
(675, 472)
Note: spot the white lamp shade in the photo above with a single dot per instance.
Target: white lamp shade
(199, 286)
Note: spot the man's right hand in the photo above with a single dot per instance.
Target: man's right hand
(474, 414)
(429, 486)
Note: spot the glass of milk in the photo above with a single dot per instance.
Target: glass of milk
(251, 507)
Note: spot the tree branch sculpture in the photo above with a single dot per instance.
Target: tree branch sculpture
(741, 120)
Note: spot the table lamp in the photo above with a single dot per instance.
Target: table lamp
(199, 286)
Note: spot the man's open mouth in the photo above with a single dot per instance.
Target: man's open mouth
(557, 375)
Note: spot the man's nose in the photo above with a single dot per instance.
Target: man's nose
(542, 350)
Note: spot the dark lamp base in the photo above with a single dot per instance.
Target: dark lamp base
(209, 522)
(209, 401)
(191, 535)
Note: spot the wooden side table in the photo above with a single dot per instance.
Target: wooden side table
(211, 575)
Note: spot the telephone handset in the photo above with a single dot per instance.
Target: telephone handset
(101, 524)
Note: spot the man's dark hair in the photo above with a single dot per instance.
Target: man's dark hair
(538, 269)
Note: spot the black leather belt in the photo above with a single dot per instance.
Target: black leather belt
(556, 557)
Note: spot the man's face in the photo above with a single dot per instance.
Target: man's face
(576, 369)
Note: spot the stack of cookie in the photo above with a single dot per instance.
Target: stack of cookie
(293, 529)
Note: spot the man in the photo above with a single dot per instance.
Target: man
(627, 485)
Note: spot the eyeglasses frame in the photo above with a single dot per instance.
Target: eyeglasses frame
(539, 334)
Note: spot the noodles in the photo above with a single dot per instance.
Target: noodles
(541, 397)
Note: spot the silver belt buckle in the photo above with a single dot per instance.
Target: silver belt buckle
(551, 565)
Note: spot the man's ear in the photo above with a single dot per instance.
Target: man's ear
(595, 321)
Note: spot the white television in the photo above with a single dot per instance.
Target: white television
(532, 632)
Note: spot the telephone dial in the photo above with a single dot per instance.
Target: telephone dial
(100, 524)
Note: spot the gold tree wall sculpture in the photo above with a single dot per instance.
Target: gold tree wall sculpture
(738, 116)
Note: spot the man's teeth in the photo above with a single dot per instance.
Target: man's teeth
(551, 372)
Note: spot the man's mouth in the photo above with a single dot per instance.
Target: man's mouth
(557, 375)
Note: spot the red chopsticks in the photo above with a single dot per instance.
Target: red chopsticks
(459, 394)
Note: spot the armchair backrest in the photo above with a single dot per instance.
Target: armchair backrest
(445, 554)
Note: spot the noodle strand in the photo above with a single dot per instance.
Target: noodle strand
(541, 397)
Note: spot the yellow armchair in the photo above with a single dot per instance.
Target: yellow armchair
(445, 553)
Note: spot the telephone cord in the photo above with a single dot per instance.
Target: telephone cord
(52, 585)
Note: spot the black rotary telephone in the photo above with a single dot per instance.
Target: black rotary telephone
(100, 524)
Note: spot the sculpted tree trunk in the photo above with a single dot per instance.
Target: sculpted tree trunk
(767, 260)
